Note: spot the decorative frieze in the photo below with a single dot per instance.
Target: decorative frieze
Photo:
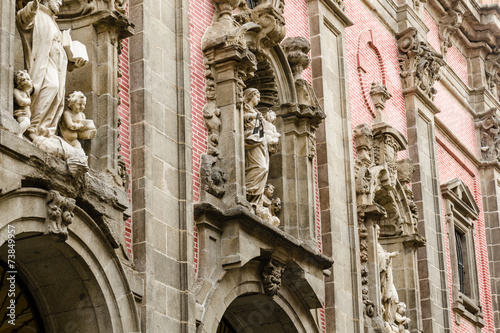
(59, 214)
(419, 65)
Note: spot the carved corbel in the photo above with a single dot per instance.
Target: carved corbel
(59, 214)
(419, 65)
(213, 178)
(448, 26)
(271, 276)
(489, 128)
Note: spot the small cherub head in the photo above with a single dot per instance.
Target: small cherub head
(401, 308)
(77, 101)
(269, 190)
(271, 116)
(22, 80)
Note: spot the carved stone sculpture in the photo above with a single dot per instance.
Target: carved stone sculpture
(46, 61)
(270, 207)
(73, 124)
(448, 26)
(271, 276)
(23, 87)
(492, 71)
(59, 214)
(390, 298)
(211, 115)
(489, 128)
(214, 178)
(256, 147)
(419, 65)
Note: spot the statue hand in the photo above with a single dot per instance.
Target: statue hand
(79, 62)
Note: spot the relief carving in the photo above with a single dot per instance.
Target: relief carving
(270, 207)
(492, 71)
(59, 214)
(213, 178)
(419, 65)
(271, 276)
(211, 115)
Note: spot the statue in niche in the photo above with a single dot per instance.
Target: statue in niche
(46, 53)
(23, 87)
(256, 147)
(73, 124)
(390, 298)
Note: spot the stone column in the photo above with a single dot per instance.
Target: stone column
(7, 36)
(419, 70)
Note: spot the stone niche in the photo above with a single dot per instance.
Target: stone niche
(388, 231)
(256, 205)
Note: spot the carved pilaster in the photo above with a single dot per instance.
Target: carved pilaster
(448, 26)
(59, 214)
(419, 65)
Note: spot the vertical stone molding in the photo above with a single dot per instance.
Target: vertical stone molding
(419, 65)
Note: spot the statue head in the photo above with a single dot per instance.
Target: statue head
(271, 116)
(22, 80)
(251, 96)
(53, 5)
(77, 101)
(269, 190)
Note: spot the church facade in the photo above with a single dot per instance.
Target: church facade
(231, 166)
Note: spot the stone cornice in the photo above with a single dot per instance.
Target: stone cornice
(337, 10)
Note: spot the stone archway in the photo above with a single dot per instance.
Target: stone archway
(77, 284)
(256, 313)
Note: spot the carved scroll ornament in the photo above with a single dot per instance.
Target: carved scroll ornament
(59, 214)
(489, 128)
(419, 65)
(448, 26)
(271, 276)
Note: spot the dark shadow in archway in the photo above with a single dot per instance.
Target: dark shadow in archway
(66, 294)
(255, 314)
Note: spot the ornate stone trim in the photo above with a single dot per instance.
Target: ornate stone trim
(59, 214)
(488, 124)
(448, 26)
(420, 66)
(271, 276)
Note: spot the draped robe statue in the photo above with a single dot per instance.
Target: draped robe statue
(46, 62)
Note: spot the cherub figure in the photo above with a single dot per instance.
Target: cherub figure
(73, 125)
(400, 319)
(23, 87)
(270, 207)
(272, 135)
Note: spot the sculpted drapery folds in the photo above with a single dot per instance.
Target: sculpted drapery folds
(256, 147)
(46, 61)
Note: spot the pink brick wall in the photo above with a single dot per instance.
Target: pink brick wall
(455, 117)
(124, 129)
(432, 35)
(387, 48)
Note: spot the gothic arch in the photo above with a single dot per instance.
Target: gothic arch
(77, 283)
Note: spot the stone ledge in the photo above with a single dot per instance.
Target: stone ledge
(258, 229)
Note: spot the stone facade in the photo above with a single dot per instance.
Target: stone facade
(250, 165)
